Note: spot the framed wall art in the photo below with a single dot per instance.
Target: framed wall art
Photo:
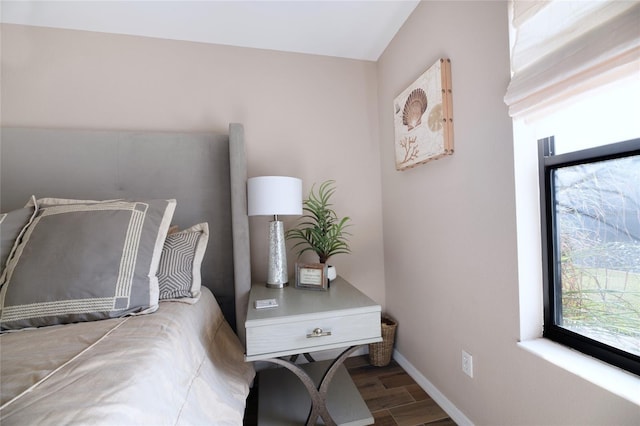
(423, 118)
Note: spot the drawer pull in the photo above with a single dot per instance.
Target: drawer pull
(317, 332)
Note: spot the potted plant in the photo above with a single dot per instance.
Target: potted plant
(320, 229)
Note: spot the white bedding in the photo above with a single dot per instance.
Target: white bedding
(180, 365)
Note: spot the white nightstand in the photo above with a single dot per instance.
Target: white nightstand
(307, 321)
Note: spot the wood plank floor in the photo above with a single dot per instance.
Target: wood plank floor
(392, 396)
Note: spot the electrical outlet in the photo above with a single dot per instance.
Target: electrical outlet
(467, 364)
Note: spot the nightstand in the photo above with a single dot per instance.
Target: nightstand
(308, 321)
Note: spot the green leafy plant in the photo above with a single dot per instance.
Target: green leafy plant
(320, 229)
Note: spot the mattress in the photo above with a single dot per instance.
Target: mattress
(180, 365)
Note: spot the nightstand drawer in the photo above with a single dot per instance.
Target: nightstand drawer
(297, 337)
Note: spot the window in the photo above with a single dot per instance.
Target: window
(590, 209)
(574, 75)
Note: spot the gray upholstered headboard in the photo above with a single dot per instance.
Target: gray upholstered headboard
(205, 173)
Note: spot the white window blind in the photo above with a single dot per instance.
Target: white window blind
(562, 48)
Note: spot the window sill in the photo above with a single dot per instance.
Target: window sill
(611, 379)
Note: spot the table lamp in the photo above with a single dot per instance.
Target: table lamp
(273, 196)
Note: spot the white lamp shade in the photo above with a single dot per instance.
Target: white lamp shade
(274, 195)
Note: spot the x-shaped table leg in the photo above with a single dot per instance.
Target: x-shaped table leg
(318, 393)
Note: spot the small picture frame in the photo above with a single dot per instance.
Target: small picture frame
(312, 276)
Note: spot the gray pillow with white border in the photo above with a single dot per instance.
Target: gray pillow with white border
(84, 262)
(11, 226)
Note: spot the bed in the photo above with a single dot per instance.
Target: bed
(125, 269)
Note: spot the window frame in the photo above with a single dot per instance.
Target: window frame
(547, 163)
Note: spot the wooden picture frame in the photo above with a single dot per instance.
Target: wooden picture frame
(423, 118)
(312, 276)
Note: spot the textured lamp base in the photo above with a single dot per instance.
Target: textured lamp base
(277, 276)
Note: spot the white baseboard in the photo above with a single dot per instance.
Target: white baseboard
(453, 411)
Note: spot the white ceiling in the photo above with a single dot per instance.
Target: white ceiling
(349, 29)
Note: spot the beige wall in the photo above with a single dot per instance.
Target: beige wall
(308, 116)
(450, 234)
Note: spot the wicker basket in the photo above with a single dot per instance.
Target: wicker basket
(380, 353)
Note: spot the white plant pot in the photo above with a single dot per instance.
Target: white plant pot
(331, 272)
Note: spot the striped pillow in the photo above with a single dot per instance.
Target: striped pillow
(179, 270)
